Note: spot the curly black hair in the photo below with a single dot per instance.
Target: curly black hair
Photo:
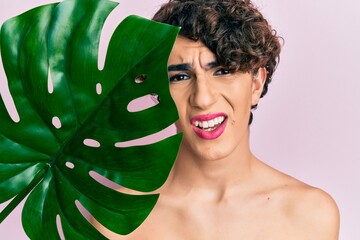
(234, 30)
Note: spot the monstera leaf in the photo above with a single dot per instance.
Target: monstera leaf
(50, 56)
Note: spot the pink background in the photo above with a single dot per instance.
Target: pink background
(308, 124)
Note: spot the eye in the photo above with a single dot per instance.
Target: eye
(179, 77)
(222, 71)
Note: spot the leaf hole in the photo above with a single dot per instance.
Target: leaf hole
(59, 227)
(92, 219)
(112, 185)
(144, 102)
(56, 122)
(110, 25)
(6, 97)
(104, 181)
(50, 83)
(150, 139)
(141, 78)
(98, 88)
(86, 214)
(91, 143)
(69, 165)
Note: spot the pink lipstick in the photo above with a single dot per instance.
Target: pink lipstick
(209, 126)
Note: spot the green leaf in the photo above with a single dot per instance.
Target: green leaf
(58, 43)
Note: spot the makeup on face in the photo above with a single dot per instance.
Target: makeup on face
(209, 126)
(208, 97)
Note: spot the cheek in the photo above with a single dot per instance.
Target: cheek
(239, 97)
(178, 98)
(241, 106)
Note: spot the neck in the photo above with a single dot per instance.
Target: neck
(194, 174)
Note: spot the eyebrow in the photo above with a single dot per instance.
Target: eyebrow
(187, 66)
(213, 64)
(179, 67)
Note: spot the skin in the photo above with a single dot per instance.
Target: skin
(218, 189)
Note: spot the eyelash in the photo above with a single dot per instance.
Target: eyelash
(176, 77)
(223, 71)
(183, 77)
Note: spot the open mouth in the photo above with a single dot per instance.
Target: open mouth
(210, 125)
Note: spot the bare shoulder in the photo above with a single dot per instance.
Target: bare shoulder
(315, 210)
(309, 208)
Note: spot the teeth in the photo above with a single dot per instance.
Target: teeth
(211, 123)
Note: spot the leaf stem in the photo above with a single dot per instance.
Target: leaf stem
(16, 200)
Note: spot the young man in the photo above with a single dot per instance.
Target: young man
(219, 68)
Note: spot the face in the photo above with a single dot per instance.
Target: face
(213, 103)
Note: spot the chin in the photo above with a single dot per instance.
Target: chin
(206, 151)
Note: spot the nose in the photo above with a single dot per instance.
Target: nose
(203, 95)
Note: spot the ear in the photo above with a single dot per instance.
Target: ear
(258, 84)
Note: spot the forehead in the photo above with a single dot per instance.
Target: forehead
(191, 52)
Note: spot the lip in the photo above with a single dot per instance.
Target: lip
(209, 135)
